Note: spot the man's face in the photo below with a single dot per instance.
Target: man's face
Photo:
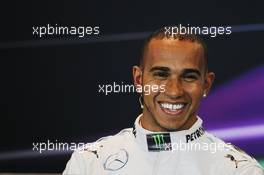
(178, 67)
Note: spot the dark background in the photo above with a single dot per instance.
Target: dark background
(50, 90)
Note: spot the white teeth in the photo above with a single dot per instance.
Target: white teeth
(172, 107)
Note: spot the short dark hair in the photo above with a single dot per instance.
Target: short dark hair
(162, 33)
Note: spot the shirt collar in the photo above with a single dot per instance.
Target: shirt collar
(163, 141)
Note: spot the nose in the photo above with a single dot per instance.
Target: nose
(174, 88)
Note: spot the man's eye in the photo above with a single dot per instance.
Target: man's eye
(190, 78)
(161, 74)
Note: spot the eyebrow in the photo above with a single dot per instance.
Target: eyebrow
(187, 71)
(160, 68)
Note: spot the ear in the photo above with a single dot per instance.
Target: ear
(209, 79)
(137, 76)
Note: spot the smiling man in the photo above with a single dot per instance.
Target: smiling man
(181, 66)
(168, 137)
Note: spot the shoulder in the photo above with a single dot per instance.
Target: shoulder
(92, 155)
(233, 159)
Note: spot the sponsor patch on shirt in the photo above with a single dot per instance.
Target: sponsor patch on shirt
(195, 135)
(159, 142)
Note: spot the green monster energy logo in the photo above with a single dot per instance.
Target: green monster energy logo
(159, 140)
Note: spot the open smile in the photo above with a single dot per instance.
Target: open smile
(174, 108)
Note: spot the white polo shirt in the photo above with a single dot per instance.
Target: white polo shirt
(136, 151)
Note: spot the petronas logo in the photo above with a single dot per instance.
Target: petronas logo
(159, 140)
